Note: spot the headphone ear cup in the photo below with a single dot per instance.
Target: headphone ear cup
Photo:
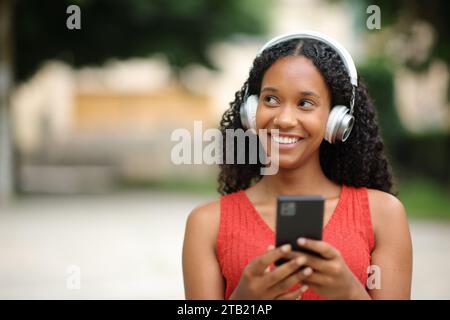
(248, 112)
(339, 125)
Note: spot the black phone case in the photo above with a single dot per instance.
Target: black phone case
(298, 216)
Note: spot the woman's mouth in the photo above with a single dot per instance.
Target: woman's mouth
(285, 141)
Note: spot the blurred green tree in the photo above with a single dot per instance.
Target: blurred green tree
(379, 77)
(182, 30)
(401, 16)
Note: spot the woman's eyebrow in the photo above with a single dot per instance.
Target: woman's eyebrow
(304, 93)
(271, 89)
(310, 93)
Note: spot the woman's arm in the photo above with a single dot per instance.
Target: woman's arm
(201, 272)
(392, 255)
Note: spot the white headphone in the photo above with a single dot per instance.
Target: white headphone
(340, 121)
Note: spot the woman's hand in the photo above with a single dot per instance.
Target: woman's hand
(331, 277)
(259, 282)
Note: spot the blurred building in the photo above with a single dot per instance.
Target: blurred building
(83, 130)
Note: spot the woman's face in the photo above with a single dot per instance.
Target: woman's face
(294, 99)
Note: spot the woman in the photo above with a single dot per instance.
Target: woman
(366, 250)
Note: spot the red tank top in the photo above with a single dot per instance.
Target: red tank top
(243, 235)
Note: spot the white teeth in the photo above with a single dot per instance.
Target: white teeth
(284, 140)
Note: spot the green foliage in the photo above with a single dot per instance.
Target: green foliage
(424, 155)
(182, 30)
(402, 14)
(390, 10)
(425, 199)
(378, 75)
(205, 186)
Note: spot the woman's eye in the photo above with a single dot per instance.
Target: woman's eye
(306, 104)
(270, 100)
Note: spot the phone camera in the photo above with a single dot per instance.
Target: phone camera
(288, 209)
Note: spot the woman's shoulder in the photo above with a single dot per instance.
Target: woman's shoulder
(205, 214)
(202, 224)
(210, 211)
(382, 201)
(386, 209)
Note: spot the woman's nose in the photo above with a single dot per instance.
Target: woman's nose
(286, 117)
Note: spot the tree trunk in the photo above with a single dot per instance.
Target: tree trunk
(6, 153)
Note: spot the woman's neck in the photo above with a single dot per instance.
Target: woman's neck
(308, 179)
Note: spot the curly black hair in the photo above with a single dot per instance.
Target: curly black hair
(359, 162)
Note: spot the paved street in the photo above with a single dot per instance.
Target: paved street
(128, 246)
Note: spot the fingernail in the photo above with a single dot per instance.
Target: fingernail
(301, 241)
(300, 260)
(307, 271)
(286, 248)
(304, 288)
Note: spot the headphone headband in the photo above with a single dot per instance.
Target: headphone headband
(340, 50)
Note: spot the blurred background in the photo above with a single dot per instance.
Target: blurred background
(91, 205)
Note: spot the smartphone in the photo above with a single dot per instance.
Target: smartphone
(298, 216)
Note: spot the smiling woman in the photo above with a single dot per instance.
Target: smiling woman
(301, 85)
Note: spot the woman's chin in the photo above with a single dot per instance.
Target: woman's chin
(289, 163)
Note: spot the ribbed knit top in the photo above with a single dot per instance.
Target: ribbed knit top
(243, 235)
